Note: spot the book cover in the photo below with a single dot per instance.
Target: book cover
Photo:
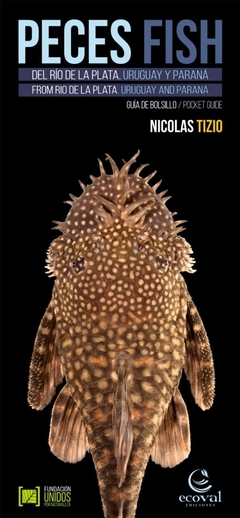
(96, 90)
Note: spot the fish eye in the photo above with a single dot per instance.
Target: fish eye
(161, 263)
(78, 265)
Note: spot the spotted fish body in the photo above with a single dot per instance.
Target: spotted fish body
(120, 328)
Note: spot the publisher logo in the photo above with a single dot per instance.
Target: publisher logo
(28, 496)
(199, 485)
(202, 493)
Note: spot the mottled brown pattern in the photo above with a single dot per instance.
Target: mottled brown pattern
(121, 328)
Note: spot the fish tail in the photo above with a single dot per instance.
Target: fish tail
(120, 452)
(121, 502)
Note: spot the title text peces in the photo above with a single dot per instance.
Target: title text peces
(101, 42)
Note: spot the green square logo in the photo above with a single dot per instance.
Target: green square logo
(28, 496)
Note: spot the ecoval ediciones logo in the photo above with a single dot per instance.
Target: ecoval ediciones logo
(203, 494)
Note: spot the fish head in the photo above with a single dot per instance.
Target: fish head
(119, 249)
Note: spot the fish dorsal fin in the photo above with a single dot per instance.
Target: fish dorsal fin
(67, 438)
(122, 427)
(172, 443)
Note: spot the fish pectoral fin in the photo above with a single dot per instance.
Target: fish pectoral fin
(172, 442)
(67, 438)
(45, 369)
(199, 366)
